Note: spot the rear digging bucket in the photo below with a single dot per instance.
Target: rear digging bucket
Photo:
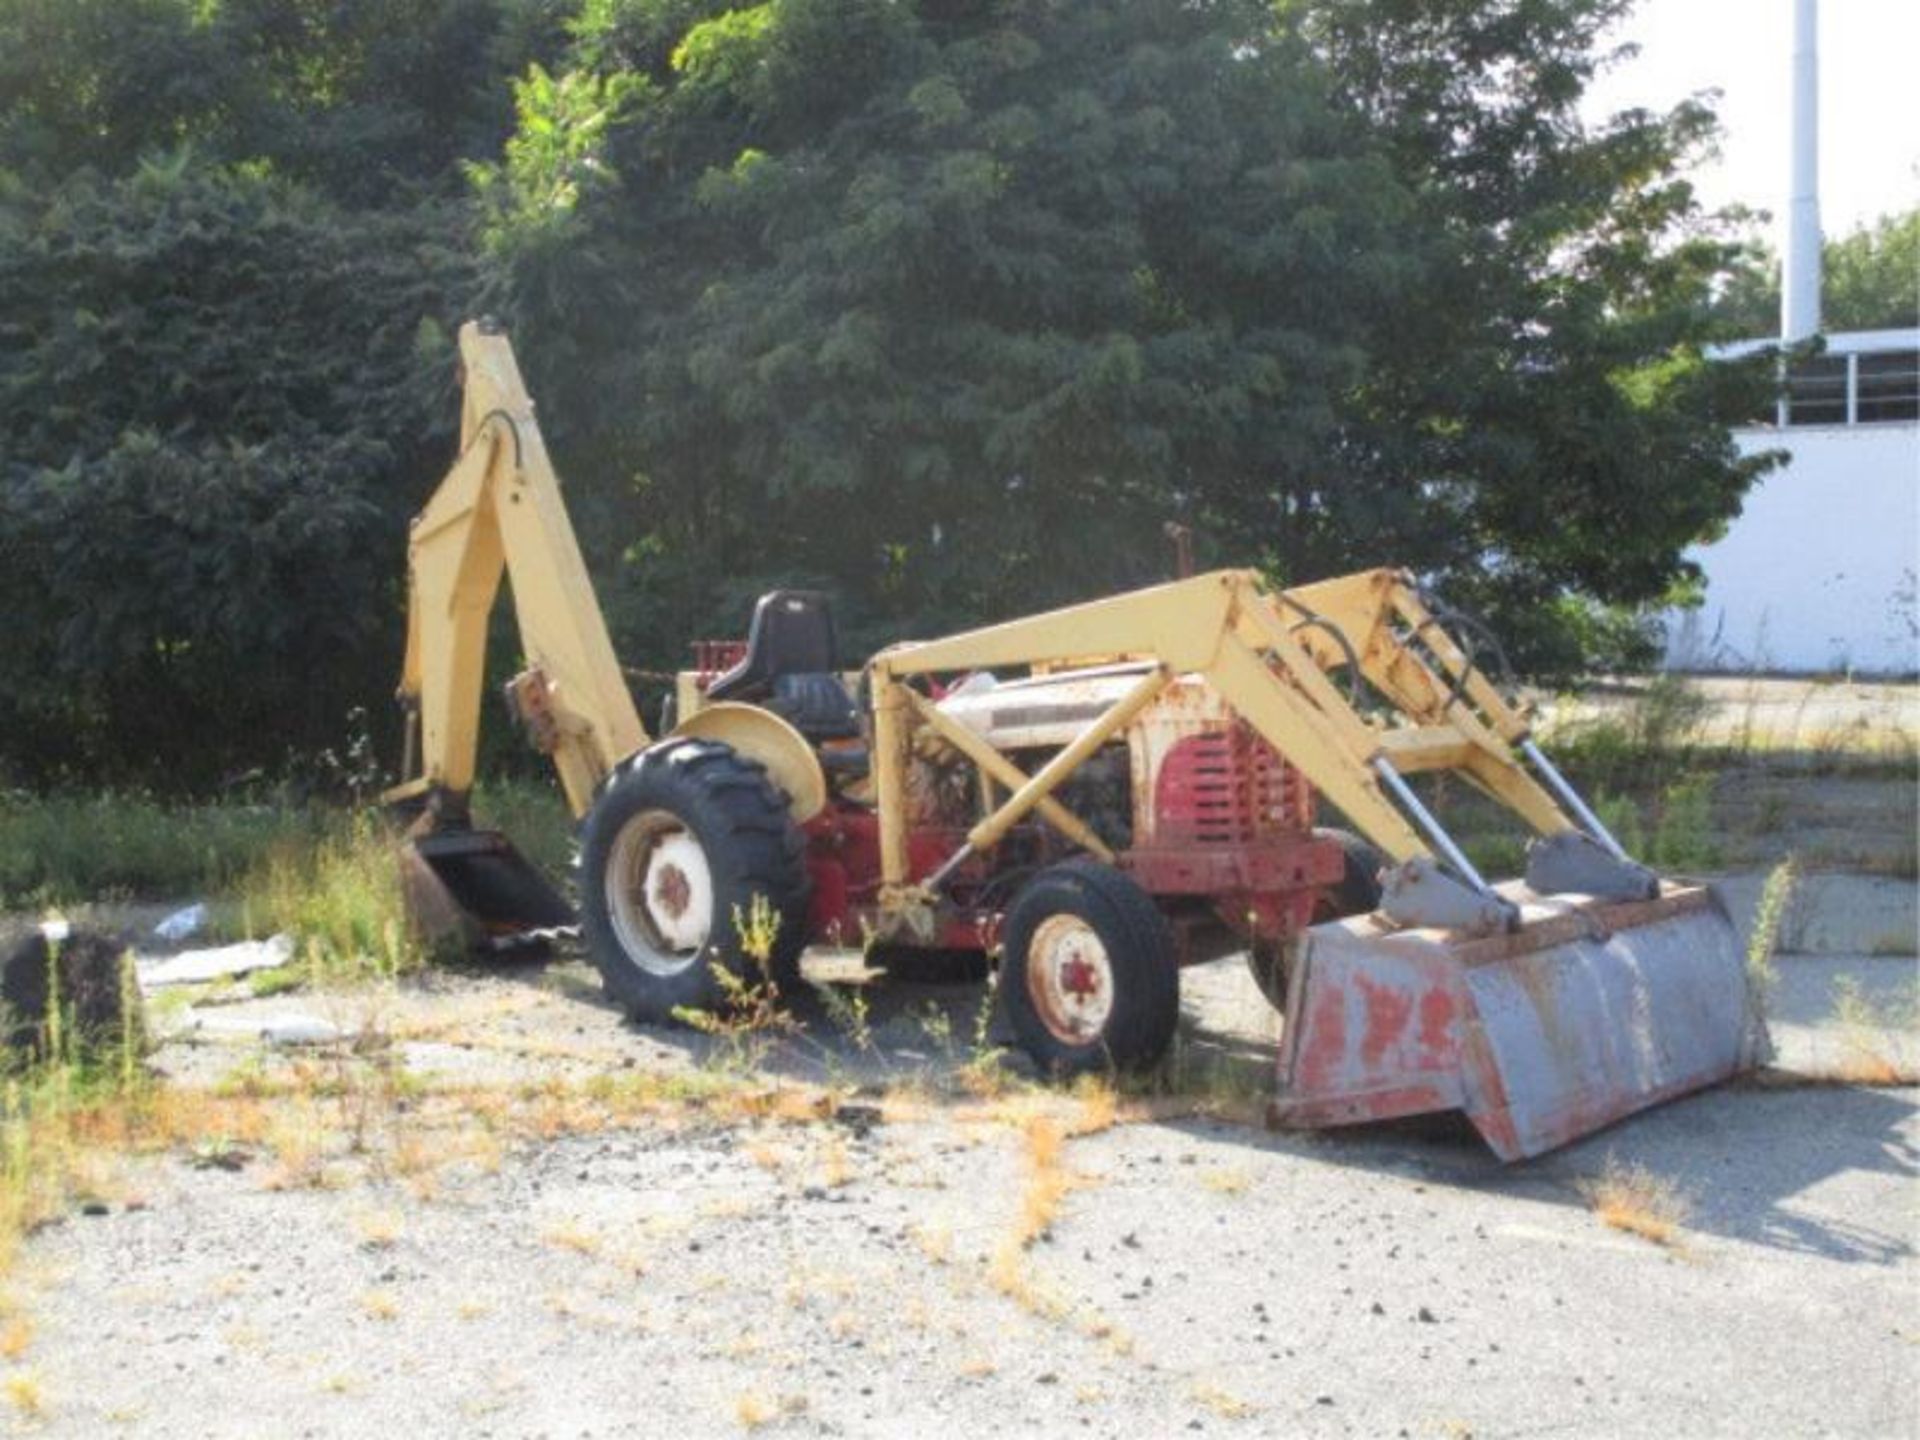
(473, 888)
(1586, 1013)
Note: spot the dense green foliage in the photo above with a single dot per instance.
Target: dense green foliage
(1540, 426)
(232, 245)
(1869, 280)
(945, 306)
(207, 540)
(955, 333)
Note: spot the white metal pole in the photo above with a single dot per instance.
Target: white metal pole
(1800, 267)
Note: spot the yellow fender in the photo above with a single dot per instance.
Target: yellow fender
(763, 736)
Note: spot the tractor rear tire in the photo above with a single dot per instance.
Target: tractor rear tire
(1089, 977)
(690, 861)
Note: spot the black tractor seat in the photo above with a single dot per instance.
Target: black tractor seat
(790, 667)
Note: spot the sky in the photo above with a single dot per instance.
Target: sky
(1869, 98)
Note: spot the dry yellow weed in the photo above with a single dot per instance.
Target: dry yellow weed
(24, 1393)
(1633, 1199)
(380, 1305)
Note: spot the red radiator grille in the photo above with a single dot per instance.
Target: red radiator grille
(1228, 788)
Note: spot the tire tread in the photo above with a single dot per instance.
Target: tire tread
(1139, 948)
(752, 845)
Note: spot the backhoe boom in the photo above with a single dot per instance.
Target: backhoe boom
(499, 513)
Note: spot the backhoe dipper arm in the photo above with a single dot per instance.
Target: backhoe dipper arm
(499, 511)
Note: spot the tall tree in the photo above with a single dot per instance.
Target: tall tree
(949, 304)
(945, 304)
(232, 246)
(370, 101)
(1543, 428)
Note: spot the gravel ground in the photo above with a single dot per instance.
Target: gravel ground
(680, 1273)
(1205, 1277)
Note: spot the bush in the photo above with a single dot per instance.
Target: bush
(1683, 833)
(1649, 742)
(1622, 818)
(220, 397)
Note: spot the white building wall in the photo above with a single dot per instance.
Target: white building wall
(1818, 573)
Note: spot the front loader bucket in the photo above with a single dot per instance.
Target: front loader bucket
(1586, 1013)
(471, 887)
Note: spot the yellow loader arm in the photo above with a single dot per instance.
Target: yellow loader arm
(1277, 656)
(499, 512)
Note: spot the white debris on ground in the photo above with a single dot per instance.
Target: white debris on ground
(183, 924)
(223, 962)
(243, 1025)
(301, 1030)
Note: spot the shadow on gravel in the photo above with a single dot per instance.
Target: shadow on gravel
(848, 1024)
(1751, 1162)
(1754, 1162)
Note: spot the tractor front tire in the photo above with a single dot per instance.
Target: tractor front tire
(1271, 965)
(1089, 976)
(690, 867)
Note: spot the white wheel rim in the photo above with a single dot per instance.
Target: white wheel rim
(1070, 978)
(660, 892)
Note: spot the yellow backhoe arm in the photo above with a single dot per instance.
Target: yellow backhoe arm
(499, 511)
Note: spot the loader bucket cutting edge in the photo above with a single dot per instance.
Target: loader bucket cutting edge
(1588, 1012)
(475, 888)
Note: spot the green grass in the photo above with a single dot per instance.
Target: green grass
(532, 814)
(337, 890)
(63, 849)
(1683, 828)
(340, 898)
(325, 875)
(1648, 769)
(1648, 744)
(1672, 728)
